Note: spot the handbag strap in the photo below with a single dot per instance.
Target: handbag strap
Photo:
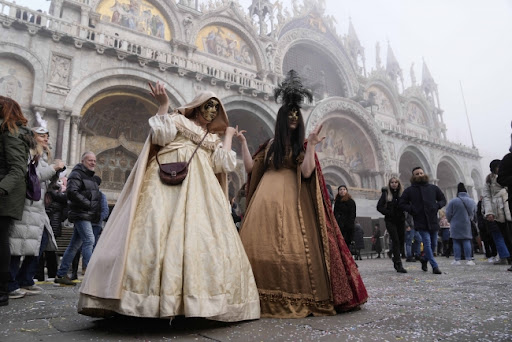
(192, 156)
(467, 212)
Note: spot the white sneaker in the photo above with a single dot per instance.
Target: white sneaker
(491, 260)
(16, 294)
(32, 290)
(470, 263)
(456, 262)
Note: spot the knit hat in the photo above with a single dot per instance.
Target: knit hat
(461, 188)
(494, 164)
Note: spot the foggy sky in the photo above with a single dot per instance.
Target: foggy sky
(461, 40)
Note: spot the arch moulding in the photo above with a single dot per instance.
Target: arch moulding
(360, 116)
(259, 109)
(320, 42)
(115, 77)
(33, 63)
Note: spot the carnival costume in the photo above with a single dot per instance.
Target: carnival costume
(174, 250)
(300, 261)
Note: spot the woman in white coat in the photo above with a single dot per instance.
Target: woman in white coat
(29, 236)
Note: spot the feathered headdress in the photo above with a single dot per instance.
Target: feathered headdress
(292, 91)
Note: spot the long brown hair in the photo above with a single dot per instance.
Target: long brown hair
(400, 189)
(12, 115)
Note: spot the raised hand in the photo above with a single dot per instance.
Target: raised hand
(240, 135)
(158, 92)
(314, 137)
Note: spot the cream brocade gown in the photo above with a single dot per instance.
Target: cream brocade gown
(185, 256)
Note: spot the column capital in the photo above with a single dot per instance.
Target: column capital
(63, 114)
(75, 119)
(41, 110)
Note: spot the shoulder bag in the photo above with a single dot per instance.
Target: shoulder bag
(175, 173)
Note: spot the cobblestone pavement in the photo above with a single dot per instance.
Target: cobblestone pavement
(465, 303)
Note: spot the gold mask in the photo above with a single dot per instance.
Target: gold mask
(293, 115)
(209, 109)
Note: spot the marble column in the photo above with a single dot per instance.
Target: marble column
(75, 120)
(61, 120)
(82, 142)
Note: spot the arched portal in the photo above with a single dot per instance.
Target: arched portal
(477, 184)
(447, 179)
(315, 68)
(350, 150)
(257, 133)
(410, 158)
(118, 121)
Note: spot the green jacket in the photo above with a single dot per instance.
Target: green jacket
(14, 153)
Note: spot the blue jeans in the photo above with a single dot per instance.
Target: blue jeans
(501, 247)
(83, 236)
(24, 276)
(464, 243)
(429, 239)
(96, 230)
(409, 236)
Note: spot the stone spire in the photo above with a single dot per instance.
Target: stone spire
(427, 81)
(262, 8)
(393, 69)
(355, 48)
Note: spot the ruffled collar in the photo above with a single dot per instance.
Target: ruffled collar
(194, 132)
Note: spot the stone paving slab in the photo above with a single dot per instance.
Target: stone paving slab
(466, 303)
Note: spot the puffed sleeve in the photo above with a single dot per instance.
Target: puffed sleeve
(163, 129)
(222, 160)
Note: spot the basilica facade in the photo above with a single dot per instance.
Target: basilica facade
(85, 66)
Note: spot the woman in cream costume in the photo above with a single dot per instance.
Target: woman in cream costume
(174, 250)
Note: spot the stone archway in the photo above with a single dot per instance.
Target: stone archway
(410, 158)
(336, 176)
(448, 176)
(478, 184)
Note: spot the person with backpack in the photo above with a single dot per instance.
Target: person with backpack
(15, 141)
(30, 236)
(459, 212)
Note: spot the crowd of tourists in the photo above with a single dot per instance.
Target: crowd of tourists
(175, 245)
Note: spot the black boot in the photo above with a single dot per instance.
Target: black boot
(436, 270)
(399, 267)
(4, 294)
(424, 263)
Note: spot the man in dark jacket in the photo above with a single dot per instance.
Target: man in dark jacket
(84, 202)
(423, 200)
(505, 176)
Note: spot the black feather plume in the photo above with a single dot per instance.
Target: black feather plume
(292, 91)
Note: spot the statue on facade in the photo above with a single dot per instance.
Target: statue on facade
(377, 56)
(413, 75)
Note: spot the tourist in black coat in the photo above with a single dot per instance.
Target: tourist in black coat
(423, 200)
(358, 240)
(345, 213)
(394, 218)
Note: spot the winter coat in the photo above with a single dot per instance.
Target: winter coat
(14, 152)
(55, 210)
(459, 217)
(345, 213)
(25, 235)
(495, 199)
(505, 176)
(376, 244)
(390, 209)
(358, 236)
(84, 198)
(422, 201)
